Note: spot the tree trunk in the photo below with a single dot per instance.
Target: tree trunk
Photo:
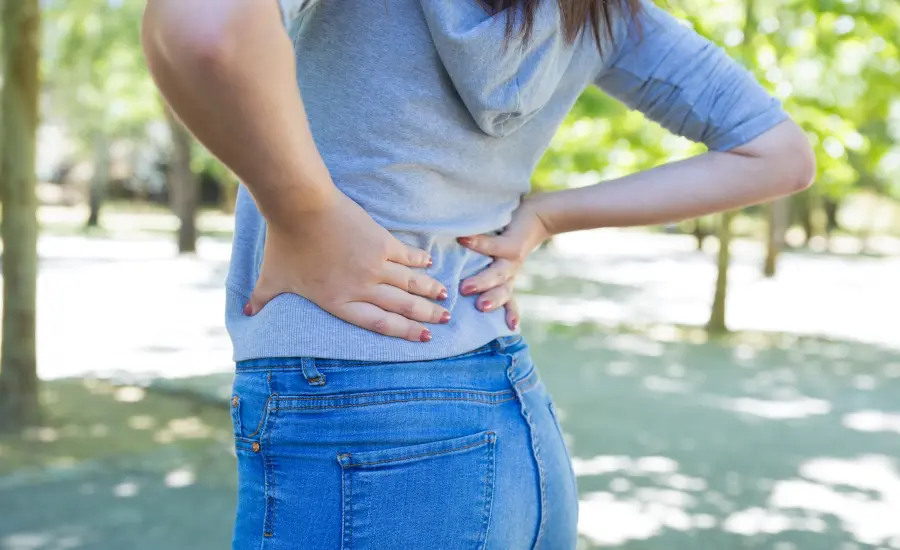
(184, 188)
(699, 233)
(779, 213)
(805, 213)
(100, 181)
(716, 324)
(19, 406)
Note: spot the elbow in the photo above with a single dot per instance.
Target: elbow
(182, 36)
(795, 160)
(801, 163)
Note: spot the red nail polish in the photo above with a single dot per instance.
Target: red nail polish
(445, 317)
(465, 240)
(469, 289)
(486, 305)
(443, 294)
(247, 309)
(426, 336)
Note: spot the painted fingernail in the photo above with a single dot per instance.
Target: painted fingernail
(445, 317)
(469, 289)
(465, 240)
(426, 336)
(442, 295)
(515, 323)
(486, 305)
(247, 309)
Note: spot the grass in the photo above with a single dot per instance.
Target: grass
(93, 420)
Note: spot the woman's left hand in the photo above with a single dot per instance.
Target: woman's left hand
(509, 249)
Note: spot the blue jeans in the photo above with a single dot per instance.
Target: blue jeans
(453, 454)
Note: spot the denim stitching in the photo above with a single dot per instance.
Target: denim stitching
(535, 445)
(482, 441)
(270, 466)
(370, 394)
(490, 451)
(346, 523)
(373, 403)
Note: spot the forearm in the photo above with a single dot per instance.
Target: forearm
(775, 164)
(226, 68)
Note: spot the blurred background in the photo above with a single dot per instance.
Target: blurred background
(761, 413)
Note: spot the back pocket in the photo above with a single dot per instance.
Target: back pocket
(432, 496)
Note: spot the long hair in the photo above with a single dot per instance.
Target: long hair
(578, 16)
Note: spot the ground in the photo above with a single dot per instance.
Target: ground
(785, 435)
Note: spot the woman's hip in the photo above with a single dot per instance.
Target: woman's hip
(455, 453)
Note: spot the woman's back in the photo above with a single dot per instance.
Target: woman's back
(430, 123)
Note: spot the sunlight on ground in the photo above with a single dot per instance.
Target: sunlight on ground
(862, 494)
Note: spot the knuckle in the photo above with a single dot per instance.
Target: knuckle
(413, 285)
(381, 325)
(408, 308)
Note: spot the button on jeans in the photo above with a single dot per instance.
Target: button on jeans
(462, 453)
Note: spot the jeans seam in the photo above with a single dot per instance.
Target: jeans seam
(269, 530)
(485, 439)
(398, 392)
(374, 403)
(488, 492)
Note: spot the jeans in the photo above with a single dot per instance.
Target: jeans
(451, 454)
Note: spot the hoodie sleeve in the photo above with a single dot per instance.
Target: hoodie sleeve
(687, 84)
(502, 87)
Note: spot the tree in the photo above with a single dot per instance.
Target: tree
(19, 404)
(184, 188)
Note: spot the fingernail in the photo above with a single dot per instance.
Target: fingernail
(442, 295)
(430, 262)
(445, 317)
(464, 240)
(247, 309)
(515, 323)
(486, 305)
(469, 289)
(426, 336)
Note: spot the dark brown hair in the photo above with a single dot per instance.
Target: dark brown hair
(577, 16)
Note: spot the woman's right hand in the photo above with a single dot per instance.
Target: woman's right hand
(339, 258)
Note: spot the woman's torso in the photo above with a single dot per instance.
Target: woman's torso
(419, 113)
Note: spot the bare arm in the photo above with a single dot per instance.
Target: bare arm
(777, 163)
(226, 67)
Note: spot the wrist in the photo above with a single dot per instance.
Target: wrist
(301, 206)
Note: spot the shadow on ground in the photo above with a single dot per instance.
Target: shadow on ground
(757, 441)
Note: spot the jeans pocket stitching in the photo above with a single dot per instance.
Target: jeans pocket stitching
(486, 439)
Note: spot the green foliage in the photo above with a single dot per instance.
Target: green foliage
(834, 63)
(96, 77)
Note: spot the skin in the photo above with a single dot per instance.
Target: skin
(775, 164)
(227, 70)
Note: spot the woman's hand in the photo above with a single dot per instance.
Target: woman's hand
(509, 249)
(339, 258)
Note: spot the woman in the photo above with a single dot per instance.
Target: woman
(382, 398)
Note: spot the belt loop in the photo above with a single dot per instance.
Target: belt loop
(310, 372)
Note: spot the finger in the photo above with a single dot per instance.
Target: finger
(372, 317)
(413, 282)
(408, 255)
(495, 275)
(391, 298)
(512, 314)
(262, 294)
(495, 298)
(500, 246)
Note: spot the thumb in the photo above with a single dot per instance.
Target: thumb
(498, 246)
(262, 294)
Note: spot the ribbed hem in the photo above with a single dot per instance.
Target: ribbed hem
(292, 326)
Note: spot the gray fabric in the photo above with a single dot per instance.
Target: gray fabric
(432, 126)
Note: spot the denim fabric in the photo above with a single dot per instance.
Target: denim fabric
(454, 454)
